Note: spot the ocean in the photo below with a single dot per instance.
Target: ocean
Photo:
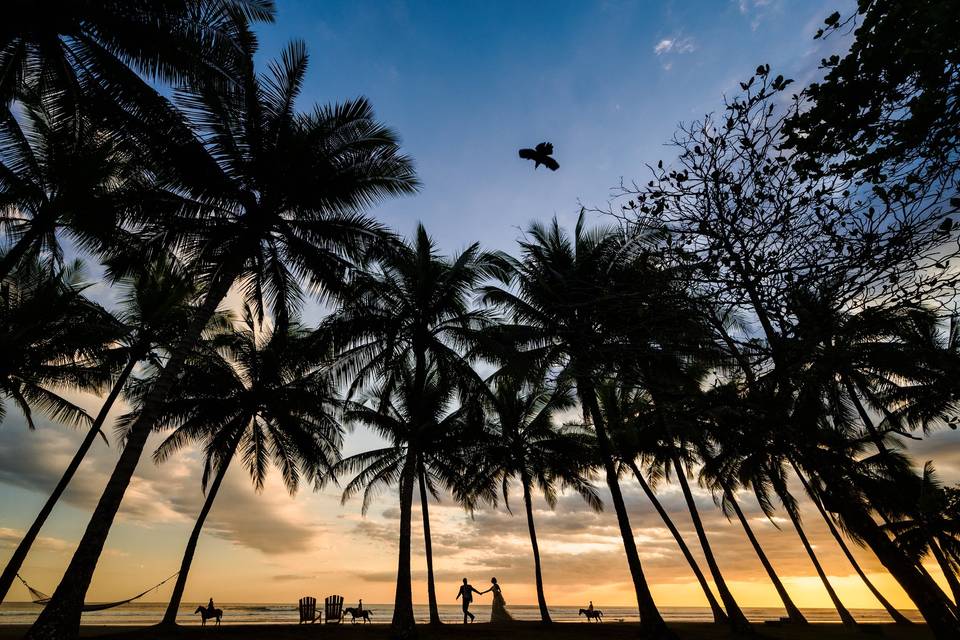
(148, 613)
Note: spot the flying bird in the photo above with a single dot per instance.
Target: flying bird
(541, 156)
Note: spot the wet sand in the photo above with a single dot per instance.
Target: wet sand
(515, 631)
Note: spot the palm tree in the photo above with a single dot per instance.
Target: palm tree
(153, 310)
(278, 193)
(268, 398)
(673, 376)
(522, 443)
(745, 453)
(742, 407)
(61, 175)
(853, 487)
(627, 412)
(88, 47)
(841, 360)
(897, 617)
(932, 525)
(563, 297)
(413, 411)
(51, 338)
(412, 306)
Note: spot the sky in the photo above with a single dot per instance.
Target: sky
(466, 84)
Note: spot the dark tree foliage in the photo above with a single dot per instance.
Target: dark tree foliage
(891, 104)
(754, 227)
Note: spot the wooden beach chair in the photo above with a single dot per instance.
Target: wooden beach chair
(308, 609)
(333, 609)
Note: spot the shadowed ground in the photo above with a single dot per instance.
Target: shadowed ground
(515, 631)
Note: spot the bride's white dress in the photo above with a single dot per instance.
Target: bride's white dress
(498, 610)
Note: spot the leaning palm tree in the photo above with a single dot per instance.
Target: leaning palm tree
(153, 310)
(521, 443)
(566, 297)
(259, 395)
(414, 412)
(931, 525)
(413, 305)
(627, 412)
(273, 198)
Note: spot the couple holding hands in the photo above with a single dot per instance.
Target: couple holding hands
(498, 609)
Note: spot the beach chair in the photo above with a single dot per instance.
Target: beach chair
(308, 610)
(333, 609)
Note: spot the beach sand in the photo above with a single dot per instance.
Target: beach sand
(515, 631)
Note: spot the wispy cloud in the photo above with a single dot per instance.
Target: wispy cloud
(675, 45)
(756, 10)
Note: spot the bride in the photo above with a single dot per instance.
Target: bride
(498, 609)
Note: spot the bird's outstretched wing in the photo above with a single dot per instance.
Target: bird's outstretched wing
(528, 154)
(550, 163)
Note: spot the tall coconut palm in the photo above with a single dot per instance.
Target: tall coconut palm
(274, 200)
(263, 395)
(522, 443)
(412, 306)
(414, 412)
(562, 296)
(627, 414)
(154, 309)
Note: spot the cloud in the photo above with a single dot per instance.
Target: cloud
(10, 538)
(676, 45)
(757, 10)
(271, 523)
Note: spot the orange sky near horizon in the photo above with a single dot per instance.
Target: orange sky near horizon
(274, 548)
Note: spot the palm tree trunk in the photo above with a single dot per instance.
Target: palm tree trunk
(737, 620)
(845, 616)
(20, 554)
(719, 616)
(652, 624)
(898, 617)
(403, 625)
(428, 550)
(792, 611)
(170, 615)
(537, 573)
(924, 592)
(947, 570)
(61, 617)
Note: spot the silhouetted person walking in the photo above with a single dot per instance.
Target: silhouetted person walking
(466, 592)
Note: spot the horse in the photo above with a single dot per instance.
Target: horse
(591, 614)
(357, 612)
(204, 614)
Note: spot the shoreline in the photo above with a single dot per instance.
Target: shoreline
(488, 631)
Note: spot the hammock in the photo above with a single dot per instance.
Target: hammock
(40, 597)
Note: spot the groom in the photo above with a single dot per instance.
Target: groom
(467, 591)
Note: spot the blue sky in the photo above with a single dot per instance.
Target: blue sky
(468, 83)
